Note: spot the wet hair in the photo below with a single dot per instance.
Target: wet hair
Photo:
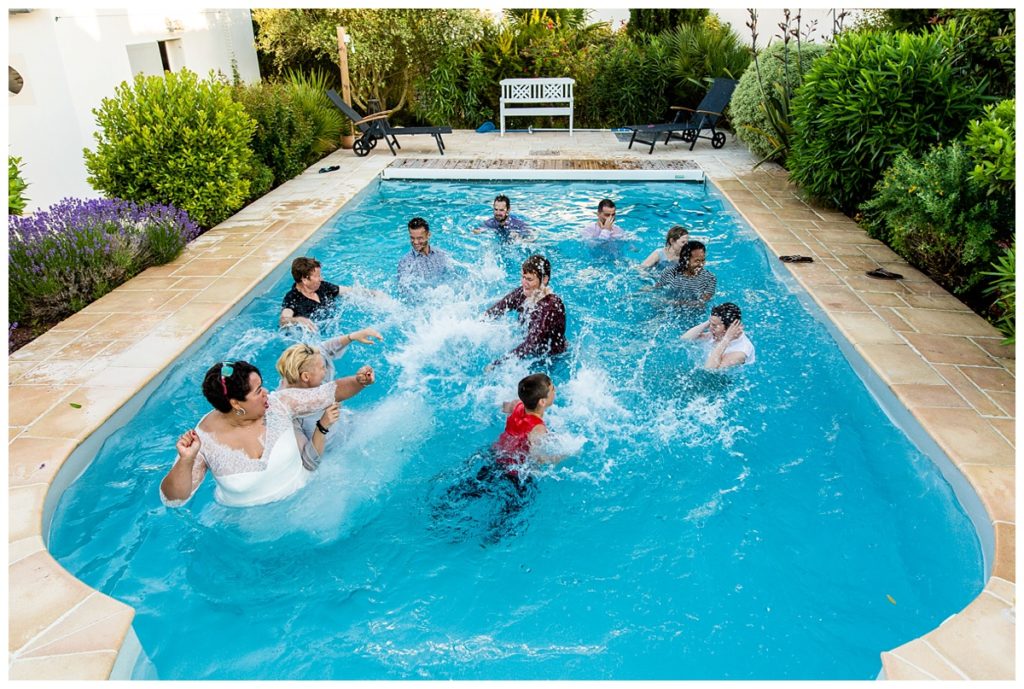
(293, 360)
(303, 267)
(417, 223)
(675, 233)
(539, 266)
(503, 198)
(684, 253)
(534, 388)
(219, 391)
(727, 311)
(605, 203)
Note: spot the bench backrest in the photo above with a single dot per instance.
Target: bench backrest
(537, 90)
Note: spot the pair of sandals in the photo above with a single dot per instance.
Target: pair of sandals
(877, 273)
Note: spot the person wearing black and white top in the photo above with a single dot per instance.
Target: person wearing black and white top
(689, 283)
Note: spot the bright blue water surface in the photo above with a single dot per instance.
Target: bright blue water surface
(748, 525)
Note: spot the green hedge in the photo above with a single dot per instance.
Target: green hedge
(174, 139)
(872, 97)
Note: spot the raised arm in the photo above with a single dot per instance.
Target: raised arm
(547, 322)
(538, 450)
(350, 386)
(698, 332)
(334, 347)
(512, 300)
(189, 469)
(717, 358)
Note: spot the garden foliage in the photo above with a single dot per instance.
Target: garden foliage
(778, 67)
(933, 213)
(67, 256)
(16, 186)
(174, 139)
(990, 142)
(872, 97)
(656, 20)
(1004, 288)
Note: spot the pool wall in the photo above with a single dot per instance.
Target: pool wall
(942, 363)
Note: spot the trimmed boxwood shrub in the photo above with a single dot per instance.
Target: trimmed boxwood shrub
(174, 139)
(747, 109)
(931, 212)
(872, 97)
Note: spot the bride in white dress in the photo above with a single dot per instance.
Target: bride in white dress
(248, 441)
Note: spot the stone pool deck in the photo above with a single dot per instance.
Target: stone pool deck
(944, 363)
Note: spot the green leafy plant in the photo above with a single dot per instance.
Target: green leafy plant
(283, 137)
(931, 212)
(760, 105)
(309, 96)
(657, 20)
(702, 51)
(872, 97)
(174, 139)
(1004, 288)
(990, 142)
(16, 186)
(987, 52)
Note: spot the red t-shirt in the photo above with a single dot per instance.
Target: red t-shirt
(514, 444)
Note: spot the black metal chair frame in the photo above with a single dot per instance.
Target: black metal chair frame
(689, 122)
(375, 126)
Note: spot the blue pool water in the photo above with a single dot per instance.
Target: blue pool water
(768, 523)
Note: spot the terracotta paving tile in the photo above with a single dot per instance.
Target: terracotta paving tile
(28, 402)
(80, 321)
(965, 436)
(98, 624)
(831, 237)
(798, 214)
(995, 486)
(947, 322)
(917, 660)
(254, 267)
(127, 376)
(16, 369)
(1005, 428)
(880, 252)
(916, 395)
(13, 432)
(782, 248)
(778, 235)
(189, 320)
(78, 666)
(1005, 566)
(297, 231)
(852, 257)
(839, 299)
(995, 347)
(814, 274)
(1007, 401)
(57, 372)
(883, 299)
(24, 547)
(979, 640)
(225, 290)
(1001, 588)
(949, 349)
(151, 354)
(862, 283)
(206, 266)
(160, 271)
(154, 284)
(275, 249)
(25, 511)
(44, 346)
(177, 301)
(129, 326)
(84, 348)
(132, 301)
(970, 392)
(865, 328)
(97, 405)
(990, 379)
(898, 363)
(36, 460)
(940, 302)
(194, 283)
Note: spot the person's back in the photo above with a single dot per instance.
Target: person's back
(525, 424)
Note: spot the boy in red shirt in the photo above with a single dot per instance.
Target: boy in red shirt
(524, 426)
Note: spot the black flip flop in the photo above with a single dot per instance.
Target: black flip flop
(883, 274)
(330, 168)
(796, 258)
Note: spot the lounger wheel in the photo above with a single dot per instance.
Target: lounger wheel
(718, 139)
(688, 135)
(373, 143)
(361, 148)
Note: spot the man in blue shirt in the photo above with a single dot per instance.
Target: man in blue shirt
(424, 266)
(504, 223)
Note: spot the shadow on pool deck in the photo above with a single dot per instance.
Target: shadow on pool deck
(943, 362)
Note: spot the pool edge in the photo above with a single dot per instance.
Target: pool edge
(983, 619)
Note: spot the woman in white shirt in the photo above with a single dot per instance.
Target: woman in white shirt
(724, 331)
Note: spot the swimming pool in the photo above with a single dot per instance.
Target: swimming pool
(693, 533)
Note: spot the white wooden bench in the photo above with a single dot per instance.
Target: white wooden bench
(514, 91)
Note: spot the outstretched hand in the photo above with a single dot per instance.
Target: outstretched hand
(366, 336)
(330, 415)
(365, 376)
(188, 445)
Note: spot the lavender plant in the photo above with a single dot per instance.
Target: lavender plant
(73, 253)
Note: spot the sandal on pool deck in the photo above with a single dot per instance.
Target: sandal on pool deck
(330, 168)
(796, 258)
(883, 274)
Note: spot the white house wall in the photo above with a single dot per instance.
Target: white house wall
(71, 59)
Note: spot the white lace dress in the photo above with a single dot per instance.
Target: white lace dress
(243, 481)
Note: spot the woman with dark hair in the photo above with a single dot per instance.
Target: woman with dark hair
(690, 284)
(541, 309)
(724, 330)
(248, 441)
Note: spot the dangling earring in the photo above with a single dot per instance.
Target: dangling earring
(239, 411)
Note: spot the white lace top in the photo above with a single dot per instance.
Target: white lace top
(224, 461)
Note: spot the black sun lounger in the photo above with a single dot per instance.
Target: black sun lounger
(689, 123)
(376, 126)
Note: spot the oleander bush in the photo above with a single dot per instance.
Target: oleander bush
(67, 256)
(872, 97)
(283, 137)
(780, 65)
(990, 142)
(16, 186)
(932, 212)
(174, 139)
